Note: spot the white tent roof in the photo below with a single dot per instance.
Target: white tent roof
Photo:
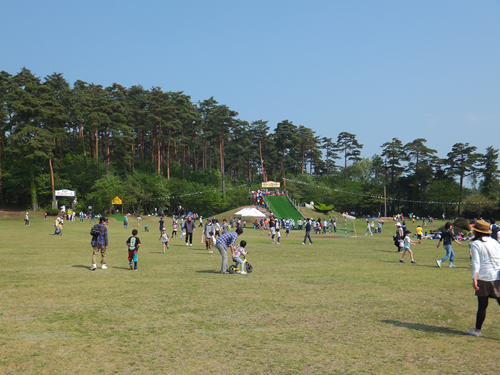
(250, 212)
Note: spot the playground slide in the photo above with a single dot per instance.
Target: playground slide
(283, 209)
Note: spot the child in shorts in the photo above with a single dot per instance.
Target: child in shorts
(211, 242)
(407, 243)
(133, 244)
(146, 228)
(278, 235)
(240, 250)
(164, 239)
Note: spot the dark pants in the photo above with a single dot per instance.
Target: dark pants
(190, 236)
(308, 235)
(482, 304)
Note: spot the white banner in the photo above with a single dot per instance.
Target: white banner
(65, 193)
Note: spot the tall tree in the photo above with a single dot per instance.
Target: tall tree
(463, 161)
(420, 161)
(285, 138)
(490, 185)
(350, 147)
(330, 154)
(393, 154)
(260, 131)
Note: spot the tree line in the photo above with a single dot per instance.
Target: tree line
(148, 144)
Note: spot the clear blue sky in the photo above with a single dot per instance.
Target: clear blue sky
(378, 69)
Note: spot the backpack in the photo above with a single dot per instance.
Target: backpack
(494, 231)
(95, 230)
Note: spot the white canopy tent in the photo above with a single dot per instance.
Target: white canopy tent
(250, 212)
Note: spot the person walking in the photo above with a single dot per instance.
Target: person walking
(447, 237)
(99, 244)
(485, 252)
(190, 227)
(368, 228)
(308, 232)
(209, 228)
(227, 239)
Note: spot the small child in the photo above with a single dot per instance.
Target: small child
(419, 233)
(407, 243)
(287, 229)
(278, 235)
(133, 244)
(240, 250)
(211, 242)
(146, 228)
(174, 229)
(164, 239)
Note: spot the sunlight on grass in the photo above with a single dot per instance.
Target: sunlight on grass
(343, 305)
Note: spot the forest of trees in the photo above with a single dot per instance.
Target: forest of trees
(154, 148)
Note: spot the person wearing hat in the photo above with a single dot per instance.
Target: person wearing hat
(164, 239)
(407, 243)
(399, 237)
(27, 219)
(447, 237)
(485, 252)
(209, 228)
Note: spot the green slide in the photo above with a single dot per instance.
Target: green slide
(283, 209)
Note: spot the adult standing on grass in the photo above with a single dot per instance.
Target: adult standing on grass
(161, 223)
(308, 233)
(227, 239)
(209, 228)
(99, 243)
(190, 227)
(485, 252)
(447, 237)
(27, 219)
(399, 237)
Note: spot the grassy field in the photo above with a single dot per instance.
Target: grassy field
(343, 305)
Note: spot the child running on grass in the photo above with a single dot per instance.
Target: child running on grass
(407, 243)
(240, 250)
(164, 239)
(133, 244)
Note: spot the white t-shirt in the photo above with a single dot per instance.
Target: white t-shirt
(164, 237)
(488, 269)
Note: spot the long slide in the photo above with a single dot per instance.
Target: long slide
(282, 208)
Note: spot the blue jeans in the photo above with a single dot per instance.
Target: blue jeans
(449, 254)
(241, 262)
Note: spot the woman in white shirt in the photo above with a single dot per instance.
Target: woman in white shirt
(485, 254)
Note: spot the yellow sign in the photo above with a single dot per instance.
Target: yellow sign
(116, 200)
(270, 184)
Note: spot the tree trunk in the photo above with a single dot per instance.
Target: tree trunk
(222, 164)
(52, 182)
(33, 187)
(264, 177)
(81, 137)
(106, 147)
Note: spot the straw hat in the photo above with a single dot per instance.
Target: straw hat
(482, 226)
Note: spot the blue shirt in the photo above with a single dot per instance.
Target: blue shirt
(227, 239)
(102, 239)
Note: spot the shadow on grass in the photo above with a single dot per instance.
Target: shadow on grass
(81, 266)
(427, 328)
(207, 271)
(387, 251)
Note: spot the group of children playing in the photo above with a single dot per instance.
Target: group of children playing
(133, 244)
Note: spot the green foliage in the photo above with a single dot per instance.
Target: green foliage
(461, 223)
(52, 211)
(321, 207)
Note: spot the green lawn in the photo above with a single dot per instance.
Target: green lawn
(343, 305)
(282, 208)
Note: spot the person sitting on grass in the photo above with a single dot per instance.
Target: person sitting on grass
(133, 244)
(407, 243)
(240, 250)
(164, 239)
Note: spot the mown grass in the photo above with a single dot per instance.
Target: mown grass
(343, 305)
